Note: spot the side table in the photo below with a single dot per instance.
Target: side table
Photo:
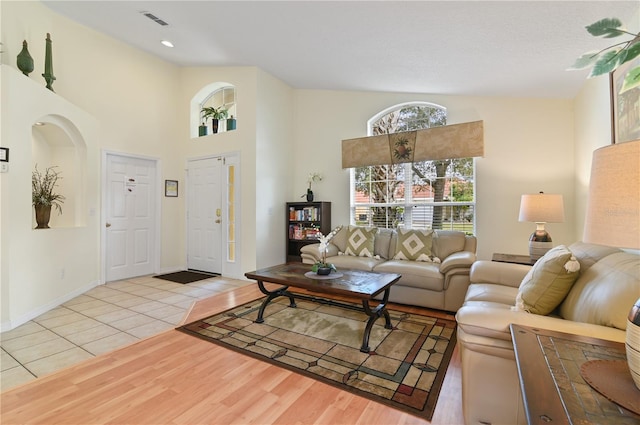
(553, 390)
(513, 258)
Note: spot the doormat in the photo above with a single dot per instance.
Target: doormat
(404, 369)
(186, 276)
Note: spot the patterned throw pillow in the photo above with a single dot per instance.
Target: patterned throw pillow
(414, 244)
(360, 241)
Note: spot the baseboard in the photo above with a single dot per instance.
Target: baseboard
(14, 323)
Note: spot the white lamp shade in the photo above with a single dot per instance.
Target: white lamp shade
(613, 206)
(542, 208)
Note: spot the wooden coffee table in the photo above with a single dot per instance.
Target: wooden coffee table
(357, 284)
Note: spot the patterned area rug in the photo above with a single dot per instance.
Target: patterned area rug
(404, 369)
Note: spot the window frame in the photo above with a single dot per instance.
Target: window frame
(408, 204)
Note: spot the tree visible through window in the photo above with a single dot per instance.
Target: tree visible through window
(436, 194)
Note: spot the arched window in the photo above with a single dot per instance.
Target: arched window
(437, 194)
(219, 95)
(224, 97)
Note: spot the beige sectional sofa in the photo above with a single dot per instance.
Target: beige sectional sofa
(597, 305)
(440, 283)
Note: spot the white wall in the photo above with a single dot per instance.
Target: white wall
(42, 268)
(133, 98)
(592, 131)
(274, 156)
(529, 147)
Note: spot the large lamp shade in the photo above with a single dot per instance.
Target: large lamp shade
(613, 219)
(613, 206)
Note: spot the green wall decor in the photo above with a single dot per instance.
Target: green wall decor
(48, 64)
(25, 61)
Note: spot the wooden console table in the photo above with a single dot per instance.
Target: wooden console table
(553, 391)
(513, 258)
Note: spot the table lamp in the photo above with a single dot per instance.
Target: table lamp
(613, 219)
(541, 208)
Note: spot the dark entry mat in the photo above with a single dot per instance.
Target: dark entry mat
(186, 276)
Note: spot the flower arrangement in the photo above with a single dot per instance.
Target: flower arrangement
(42, 188)
(314, 177)
(323, 247)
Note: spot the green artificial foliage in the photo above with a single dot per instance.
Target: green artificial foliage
(215, 113)
(609, 59)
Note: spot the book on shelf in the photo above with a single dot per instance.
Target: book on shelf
(298, 232)
(304, 214)
(312, 233)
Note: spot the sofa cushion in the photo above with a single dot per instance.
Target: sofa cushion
(360, 241)
(548, 282)
(382, 243)
(605, 293)
(588, 254)
(353, 262)
(446, 242)
(414, 244)
(415, 274)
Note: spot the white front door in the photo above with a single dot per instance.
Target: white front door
(131, 196)
(204, 215)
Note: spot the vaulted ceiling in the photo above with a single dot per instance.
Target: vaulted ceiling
(484, 48)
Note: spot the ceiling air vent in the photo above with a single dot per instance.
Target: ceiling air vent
(154, 18)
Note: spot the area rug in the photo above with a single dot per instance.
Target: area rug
(186, 276)
(404, 369)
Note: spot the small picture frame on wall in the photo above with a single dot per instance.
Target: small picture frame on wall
(171, 188)
(625, 114)
(4, 154)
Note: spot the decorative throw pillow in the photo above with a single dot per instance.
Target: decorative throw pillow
(360, 241)
(548, 282)
(414, 244)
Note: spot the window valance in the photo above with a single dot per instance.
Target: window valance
(450, 141)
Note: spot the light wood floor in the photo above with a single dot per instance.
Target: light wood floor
(174, 378)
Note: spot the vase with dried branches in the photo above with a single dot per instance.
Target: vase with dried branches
(43, 195)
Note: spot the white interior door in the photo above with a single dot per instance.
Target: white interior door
(204, 215)
(130, 217)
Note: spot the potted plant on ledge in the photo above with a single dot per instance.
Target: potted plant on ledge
(216, 114)
(43, 195)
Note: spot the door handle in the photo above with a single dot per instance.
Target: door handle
(108, 225)
(218, 221)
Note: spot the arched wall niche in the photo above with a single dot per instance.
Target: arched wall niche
(57, 142)
(199, 100)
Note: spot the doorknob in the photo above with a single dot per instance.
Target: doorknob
(218, 220)
(108, 225)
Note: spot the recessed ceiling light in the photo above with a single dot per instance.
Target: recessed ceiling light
(167, 43)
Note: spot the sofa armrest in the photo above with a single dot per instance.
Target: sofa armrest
(457, 260)
(483, 319)
(506, 274)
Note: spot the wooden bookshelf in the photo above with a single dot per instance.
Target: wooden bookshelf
(304, 221)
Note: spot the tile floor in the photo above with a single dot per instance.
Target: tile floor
(102, 319)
